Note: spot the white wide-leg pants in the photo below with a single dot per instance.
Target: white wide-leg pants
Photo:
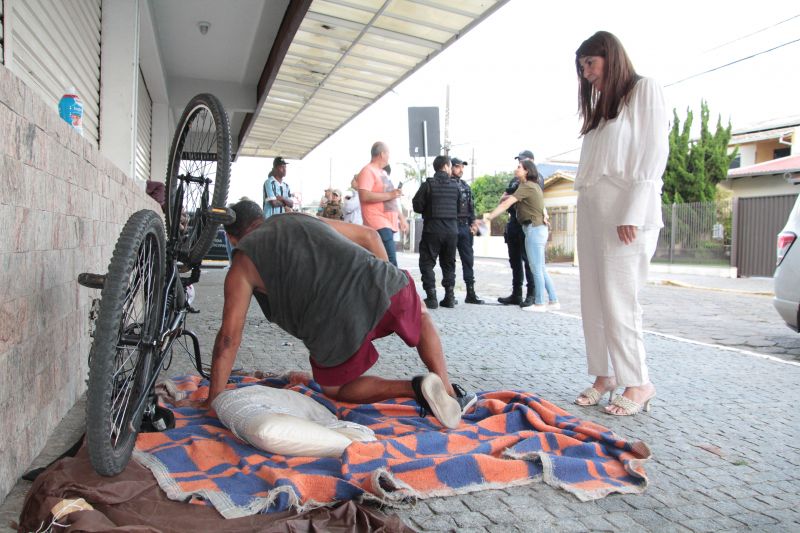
(611, 275)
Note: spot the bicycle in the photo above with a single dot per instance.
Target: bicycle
(143, 303)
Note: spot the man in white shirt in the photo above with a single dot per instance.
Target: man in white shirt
(352, 205)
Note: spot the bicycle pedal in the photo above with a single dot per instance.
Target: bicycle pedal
(92, 281)
(221, 215)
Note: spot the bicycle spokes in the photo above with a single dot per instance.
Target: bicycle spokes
(135, 336)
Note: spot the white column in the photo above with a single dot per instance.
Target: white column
(119, 65)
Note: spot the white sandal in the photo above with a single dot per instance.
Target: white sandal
(594, 396)
(629, 407)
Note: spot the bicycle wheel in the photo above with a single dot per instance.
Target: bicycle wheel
(199, 161)
(126, 335)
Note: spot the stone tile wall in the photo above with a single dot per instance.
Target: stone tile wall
(62, 206)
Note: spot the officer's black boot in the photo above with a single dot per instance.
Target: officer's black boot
(472, 298)
(430, 299)
(449, 299)
(528, 298)
(515, 298)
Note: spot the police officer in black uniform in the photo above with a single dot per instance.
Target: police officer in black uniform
(437, 201)
(515, 241)
(467, 228)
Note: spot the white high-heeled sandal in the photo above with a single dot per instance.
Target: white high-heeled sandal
(594, 396)
(629, 407)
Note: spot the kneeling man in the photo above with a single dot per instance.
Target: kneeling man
(330, 284)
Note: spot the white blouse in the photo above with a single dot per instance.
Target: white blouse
(630, 152)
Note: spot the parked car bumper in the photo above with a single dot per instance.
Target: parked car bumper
(789, 312)
(787, 273)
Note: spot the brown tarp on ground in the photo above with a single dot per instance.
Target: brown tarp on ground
(133, 501)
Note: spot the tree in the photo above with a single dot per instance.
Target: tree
(410, 172)
(695, 167)
(487, 190)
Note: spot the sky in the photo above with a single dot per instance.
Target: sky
(513, 84)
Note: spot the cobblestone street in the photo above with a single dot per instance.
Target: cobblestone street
(724, 429)
(729, 315)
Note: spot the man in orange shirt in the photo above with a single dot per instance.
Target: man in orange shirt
(378, 197)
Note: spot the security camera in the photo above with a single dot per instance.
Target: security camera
(203, 27)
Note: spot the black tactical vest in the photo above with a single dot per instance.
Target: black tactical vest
(443, 199)
(464, 200)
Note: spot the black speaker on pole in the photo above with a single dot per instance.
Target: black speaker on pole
(423, 125)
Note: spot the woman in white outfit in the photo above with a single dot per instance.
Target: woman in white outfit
(624, 153)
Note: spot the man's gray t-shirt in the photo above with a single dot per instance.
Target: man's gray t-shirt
(321, 287)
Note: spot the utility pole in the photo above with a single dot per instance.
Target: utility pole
(472, 166)
(447, 122)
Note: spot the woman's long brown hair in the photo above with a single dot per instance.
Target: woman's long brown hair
(619, 77)
(532, 173)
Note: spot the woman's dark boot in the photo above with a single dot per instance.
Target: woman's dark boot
(472, 298)
(515, 298)
(430, 299)
(449, 298)
(528, 298)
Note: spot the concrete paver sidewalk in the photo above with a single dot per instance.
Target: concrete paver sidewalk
(724, 428)
(661, 274)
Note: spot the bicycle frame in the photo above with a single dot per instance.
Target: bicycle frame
(171, 328)
(174, 308)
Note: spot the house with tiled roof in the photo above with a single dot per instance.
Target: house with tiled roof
(561, 200)
(768, 160)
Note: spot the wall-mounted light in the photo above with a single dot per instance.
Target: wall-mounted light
(203, 26)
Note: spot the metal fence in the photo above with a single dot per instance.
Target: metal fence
(561, 241)
(696, 233)
(693, 233)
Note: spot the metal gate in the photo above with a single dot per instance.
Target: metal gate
(758, 222)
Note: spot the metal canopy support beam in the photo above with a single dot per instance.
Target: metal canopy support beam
(289, 25)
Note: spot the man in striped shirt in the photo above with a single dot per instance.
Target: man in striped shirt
(277, 196)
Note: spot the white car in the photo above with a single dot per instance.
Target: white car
(787, 273)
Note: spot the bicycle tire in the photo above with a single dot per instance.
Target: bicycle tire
(201, 150)
(119, 373)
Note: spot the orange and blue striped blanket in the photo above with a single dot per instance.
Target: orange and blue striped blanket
(510, 438)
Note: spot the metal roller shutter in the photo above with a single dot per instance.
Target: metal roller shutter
(144, 128)
(56, 45)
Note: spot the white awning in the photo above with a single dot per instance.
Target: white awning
(346, 55)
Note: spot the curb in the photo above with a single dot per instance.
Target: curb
(673, 283)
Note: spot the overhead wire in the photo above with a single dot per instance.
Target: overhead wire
(726, 64)
(750, 34)
(732, 63)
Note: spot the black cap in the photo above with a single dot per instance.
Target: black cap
(278, 161)
(525, 154)
(456, 161)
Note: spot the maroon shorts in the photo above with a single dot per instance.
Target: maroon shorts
(404, 317)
